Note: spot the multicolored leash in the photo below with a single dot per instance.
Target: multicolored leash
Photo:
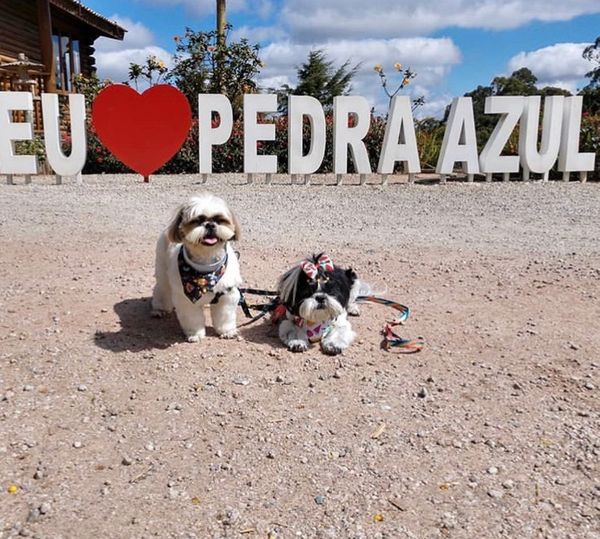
(390, 338)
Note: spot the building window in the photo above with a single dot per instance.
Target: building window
(67, 61)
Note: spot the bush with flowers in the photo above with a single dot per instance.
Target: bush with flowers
(204, 64)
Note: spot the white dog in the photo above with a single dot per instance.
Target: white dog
(196, 266)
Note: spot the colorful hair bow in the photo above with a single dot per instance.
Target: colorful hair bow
(312, 270)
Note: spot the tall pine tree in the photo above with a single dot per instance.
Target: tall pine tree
(320, 79)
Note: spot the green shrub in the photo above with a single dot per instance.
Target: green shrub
(590, 138)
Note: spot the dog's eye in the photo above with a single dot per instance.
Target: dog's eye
(200, 219)
(220, 220)
(321, 279)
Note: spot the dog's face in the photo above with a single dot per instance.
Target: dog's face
(204, 224)
(318, 297)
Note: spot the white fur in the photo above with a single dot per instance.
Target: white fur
(336, 340)
(331, 309)
(168, 292)
(359, 288)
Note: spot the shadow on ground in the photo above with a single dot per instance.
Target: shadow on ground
(260, 332)
(139, 331)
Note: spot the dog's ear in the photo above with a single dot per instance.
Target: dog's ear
(288, 284)
(173, 230)
(238, 231)
(351, 274)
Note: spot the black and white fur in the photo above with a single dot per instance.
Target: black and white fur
(205, 226)
(330, 297)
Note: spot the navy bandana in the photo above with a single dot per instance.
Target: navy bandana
(196, 284)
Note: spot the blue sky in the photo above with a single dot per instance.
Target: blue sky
(453, 45)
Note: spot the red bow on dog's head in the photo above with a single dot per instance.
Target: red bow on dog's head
(311, 269)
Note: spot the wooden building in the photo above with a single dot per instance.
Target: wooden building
(44, 44)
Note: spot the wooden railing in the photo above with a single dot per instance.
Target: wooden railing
(7, 85)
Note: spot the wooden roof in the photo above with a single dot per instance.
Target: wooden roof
(102, 25)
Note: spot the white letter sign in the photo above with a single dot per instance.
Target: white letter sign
(344, 136)
(539, 147)
(542, 161)
(460, 141)
(510, 109)
(209, 136)
(255, 132)
(72, 165)
(300, 107)
(399, 141)
(570, 159)
(11, 131)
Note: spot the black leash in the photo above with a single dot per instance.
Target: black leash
(264, 308)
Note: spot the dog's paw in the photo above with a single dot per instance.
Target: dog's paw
(297, 346)
(229, 334)
(353, 309)
(197, 337)
(331, 350)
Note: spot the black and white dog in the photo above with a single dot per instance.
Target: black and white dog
(318, 297)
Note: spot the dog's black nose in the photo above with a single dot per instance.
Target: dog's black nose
(320, 300)
(209, 225)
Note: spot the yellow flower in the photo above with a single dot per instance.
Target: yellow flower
(406, 82)
(161, 64)
(12, 489)
(378, 517)
(378, 68)
(397, 66)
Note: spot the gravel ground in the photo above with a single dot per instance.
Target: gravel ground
(112, 426)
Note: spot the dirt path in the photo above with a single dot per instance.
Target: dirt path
(112, 426)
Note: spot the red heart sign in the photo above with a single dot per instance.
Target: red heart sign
(144, 130)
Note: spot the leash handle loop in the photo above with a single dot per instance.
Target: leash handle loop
(390, 338)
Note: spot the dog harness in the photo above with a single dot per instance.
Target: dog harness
(197, 283)
(315, 331)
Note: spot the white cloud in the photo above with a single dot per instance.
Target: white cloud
(430, 58)
(203, 8)
(113, 57)
(115, 65)
(264, 8)
(434, 106)
(200, 8)
(256, 34)
(137, 36)
(558, 65)
(314, 20)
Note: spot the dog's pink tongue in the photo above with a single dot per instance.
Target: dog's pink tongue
(209, 241)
